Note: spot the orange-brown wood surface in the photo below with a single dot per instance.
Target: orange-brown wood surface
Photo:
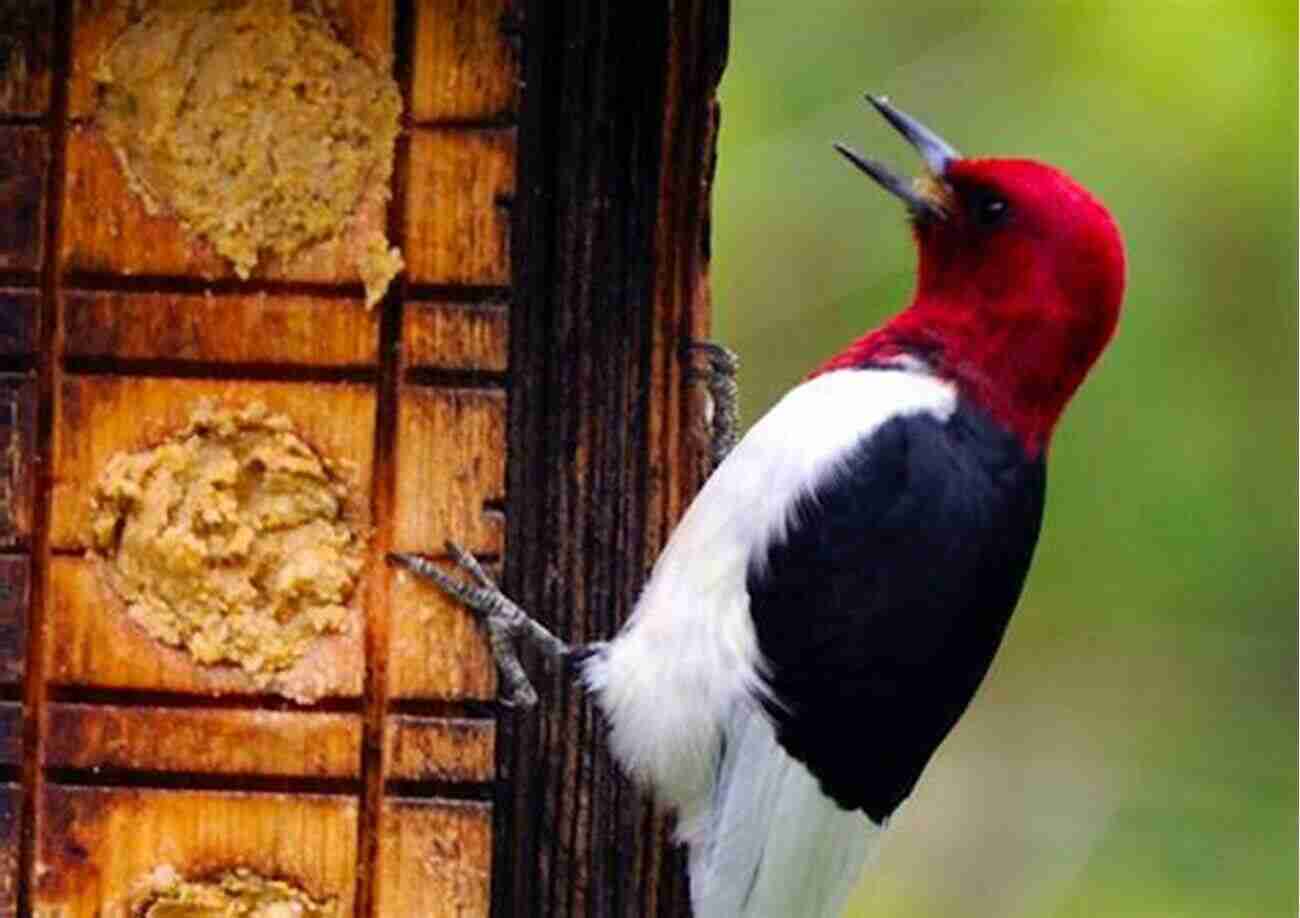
(434, 858)
(17, 457)
(456, 336)
(466, 67)
(456, 229)
(440, 749)
(101, 845)
(27, 30)
(205, 327)
(204, 741)
(15, 575)
(436, 649)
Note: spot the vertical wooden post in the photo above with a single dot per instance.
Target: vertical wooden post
(617, 131)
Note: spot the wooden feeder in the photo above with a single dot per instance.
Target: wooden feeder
(521, 388)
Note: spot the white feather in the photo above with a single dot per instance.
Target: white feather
(673, 679)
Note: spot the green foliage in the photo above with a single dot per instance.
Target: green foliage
(1134, 752)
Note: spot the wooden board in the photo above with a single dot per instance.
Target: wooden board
(22, 196)
(456, 336)
(457, 232)
(27, 36)
(434, 859)
(15, 575)
(466, 66)
(98, 846)
(440, 749)
(257, 328)
(305, 744)
(17, 457)
(436, 648)
(19, 322)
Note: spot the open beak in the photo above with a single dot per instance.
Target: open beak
(924, 197)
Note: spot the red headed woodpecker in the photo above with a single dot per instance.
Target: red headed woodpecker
(831, 601)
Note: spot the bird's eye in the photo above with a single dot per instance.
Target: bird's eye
(990, 209)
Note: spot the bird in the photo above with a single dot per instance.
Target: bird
(833, 597)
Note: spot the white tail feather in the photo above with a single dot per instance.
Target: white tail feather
(775, 845)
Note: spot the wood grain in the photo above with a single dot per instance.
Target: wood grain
(97, 847)
(204, 741)
(98, 416)
(440, 749)
(455, 336)
(436, 648)
(11, 734)
(15, 576)
(456, 232)
(11, 800)
(26, 56)
(450, 464)
(435, 859)
(17, 458)
(22, 196)
(465, 68)
(19, 321)
(234, 328)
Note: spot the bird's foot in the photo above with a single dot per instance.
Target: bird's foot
(504, 620)
(719, 377)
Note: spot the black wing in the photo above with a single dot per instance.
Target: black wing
(880, 611)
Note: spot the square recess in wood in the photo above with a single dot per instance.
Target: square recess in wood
(22, 196)
(435, 859)
(93, 642)
(456, 336)
(20, 312)
(11, 798)
(27, 49)
(98, 848)
(15, 599)
(457, 229)
(17, 458)
(440, 749)
(228, 328)
(106, 227)
(311, 744)
(466, 68)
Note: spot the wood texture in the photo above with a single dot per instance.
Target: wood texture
(204, 741)
(436, 650)
(440, 749)
(228, 328)
(26, 56)
(22, 196)
(456, 230)
(19, 322)
(17, 458)
(10, 861)
(15, 574)
(465, 67)
(98, 846)
(449, 468)
(456, 336)
(617, 143)
(435, 859)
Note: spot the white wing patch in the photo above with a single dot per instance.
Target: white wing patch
(688, 659)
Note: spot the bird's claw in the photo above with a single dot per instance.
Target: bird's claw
(719, 377)
(504, 621)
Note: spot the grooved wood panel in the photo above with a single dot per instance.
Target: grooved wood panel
(447, 471)
(17, 458)
(205, 741)
(437, 649)
(457, 232)
(466, 67)
(11, 802)
(26, 56)
(228, 328)
(99, 845)
(440, 749)
(22, 196)
(434, 859)
(15, 574)
(19, 322)
(456, 336)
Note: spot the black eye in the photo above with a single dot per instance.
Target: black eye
(989, 209)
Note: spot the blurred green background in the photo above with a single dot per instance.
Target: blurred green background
(1133, 751)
